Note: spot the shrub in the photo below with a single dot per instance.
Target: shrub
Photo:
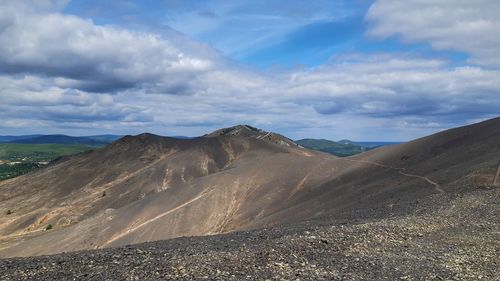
(49, 227)
(9, 212)
(104, 194)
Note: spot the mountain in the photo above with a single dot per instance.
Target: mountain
(148, 188)
(60, 139)
(64, 139)
(344, 141)
(341, 148)
(254, 133)
(375, 144)
(104, 138)
(14, 138)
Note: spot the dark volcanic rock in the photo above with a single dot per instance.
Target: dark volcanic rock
(448, 237)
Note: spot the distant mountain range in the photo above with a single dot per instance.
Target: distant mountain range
(375, 144)
(97, 140)
(4, 139)
(60, 139)
(340, 148)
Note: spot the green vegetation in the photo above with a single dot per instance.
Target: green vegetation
(343, 148)
(104, 194)
(9, 212)
(38, 152)
(49, 227)
(18, 159)
(11, 170)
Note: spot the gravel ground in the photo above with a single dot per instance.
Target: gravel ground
(447, 237)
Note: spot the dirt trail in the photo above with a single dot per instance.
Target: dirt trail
(401, 171)
(201, 195)
(497, 175)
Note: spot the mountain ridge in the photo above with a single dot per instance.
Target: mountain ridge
(251, 132)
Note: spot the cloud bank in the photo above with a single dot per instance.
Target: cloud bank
(461, 25)
(63, 73)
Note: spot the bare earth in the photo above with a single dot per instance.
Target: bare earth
(450, 237)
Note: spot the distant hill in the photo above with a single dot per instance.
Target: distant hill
(96, 140)
(341, 148)
(104, 138)
(61, 139)
(4, 139)
(374, 144)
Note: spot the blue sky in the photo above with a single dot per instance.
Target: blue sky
(258, 33)
(254, 33)
(362, 69)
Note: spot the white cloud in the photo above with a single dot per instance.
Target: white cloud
(466, 26)
(400, 87)
(66, 74)
(32, 97)
(91, 57)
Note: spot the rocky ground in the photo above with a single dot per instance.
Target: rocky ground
(448, 237)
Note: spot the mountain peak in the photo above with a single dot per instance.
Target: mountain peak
(248, 131)
(143, 140)
(238, 130)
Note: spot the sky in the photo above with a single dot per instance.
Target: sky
(366, 70)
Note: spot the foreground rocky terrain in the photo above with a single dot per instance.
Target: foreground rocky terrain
(453, 236)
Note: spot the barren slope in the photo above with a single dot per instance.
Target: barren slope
(147, 188)
(451, 236)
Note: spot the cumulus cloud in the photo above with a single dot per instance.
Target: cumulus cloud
(406, 92)
(95, 58)
(68, 74)
(384, 87)
(38, 98)
(460, 25)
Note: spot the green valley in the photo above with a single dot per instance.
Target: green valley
(17, 159)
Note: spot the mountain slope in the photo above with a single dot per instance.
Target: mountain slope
(451, 236)
(147, 187)
(149, 182)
